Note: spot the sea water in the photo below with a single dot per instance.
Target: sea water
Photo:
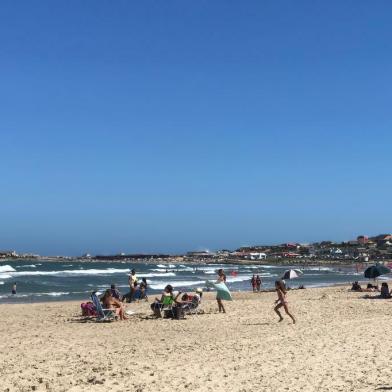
(69, 280)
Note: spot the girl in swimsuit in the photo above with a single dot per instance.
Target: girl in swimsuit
(281, 301)
(221, 279)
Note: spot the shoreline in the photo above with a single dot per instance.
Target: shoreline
(205, 294)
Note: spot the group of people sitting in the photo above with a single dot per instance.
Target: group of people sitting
(137, 291)
(385, 293)
(175, 304)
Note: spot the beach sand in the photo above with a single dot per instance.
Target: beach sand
(341, 342)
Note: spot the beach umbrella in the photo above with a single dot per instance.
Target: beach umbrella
(376, 270)
(292, 274)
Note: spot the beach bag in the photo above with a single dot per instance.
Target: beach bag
(88, 309)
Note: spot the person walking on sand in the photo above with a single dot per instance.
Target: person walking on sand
(253, 283)
(282, 301)
(258, 283)
(221, 279)
(13, 290)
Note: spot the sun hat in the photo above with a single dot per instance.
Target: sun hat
(199, 290)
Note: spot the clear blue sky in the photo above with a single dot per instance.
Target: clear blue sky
(181, 125)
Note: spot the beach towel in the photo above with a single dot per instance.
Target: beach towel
(222, 291)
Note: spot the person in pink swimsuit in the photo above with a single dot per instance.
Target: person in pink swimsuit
(282, 301)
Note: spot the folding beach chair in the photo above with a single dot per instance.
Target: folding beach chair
(167, 305)
(193, 307)
(102, 314)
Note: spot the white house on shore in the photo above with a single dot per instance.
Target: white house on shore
(257, 256)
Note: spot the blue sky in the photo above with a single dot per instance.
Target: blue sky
(180, 125)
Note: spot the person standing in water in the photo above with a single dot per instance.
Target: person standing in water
(13, 291)
(282, 301)
(221, 279)
(132, 278)
(253, 283)
(258, 283)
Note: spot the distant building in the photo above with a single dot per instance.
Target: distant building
(8, 253)
(382, 238)
(291, 245)
(257, 256)
(363, 239)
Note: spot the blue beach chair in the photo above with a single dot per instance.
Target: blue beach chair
(103, 314)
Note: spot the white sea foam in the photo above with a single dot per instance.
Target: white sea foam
(240, 278)
(107, 271)
(14, 296)
(318, 269)
(6, 268)
(185, 268)
(27, 266)
(1, 283)
(160, 285)
(161, 270)
(80, 272)
(51, 294)
(56, 294)
(167, 266)
(149, 275)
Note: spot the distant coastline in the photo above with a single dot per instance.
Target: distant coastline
(363, 249)
(175, 261)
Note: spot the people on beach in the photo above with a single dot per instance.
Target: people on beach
(184, 303)
(221, 279)
(187, 298)
(370, 288)
(167, 296)
(356, 287)
(132, 278)
(258, 283)
(282, 301)
(143, 289)
(115, 292)
(13, 290)
(109, 302)
(385, 293)
(253, 283)
(134, 294)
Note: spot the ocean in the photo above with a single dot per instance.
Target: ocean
(75, 280)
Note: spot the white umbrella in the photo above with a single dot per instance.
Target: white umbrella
(292, 274)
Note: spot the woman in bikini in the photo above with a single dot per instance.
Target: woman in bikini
(281, 301)
(109, 302)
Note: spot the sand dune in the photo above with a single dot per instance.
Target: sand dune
(341, 342)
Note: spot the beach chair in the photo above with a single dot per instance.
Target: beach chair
(167, 305)
(193, 307)
(103, 314)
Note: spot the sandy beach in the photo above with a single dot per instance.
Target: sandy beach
(341, 342)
